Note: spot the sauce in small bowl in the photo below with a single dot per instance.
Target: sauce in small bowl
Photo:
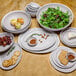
(71, 56)
(32, 41)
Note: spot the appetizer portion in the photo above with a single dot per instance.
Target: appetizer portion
(12, 60)
(62, 57)
(71, 35)
(65, 57)
(5, 40)
(54, 18)
(17, 23)
(35, 38)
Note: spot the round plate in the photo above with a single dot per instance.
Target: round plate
(6, 56)
(42, 51)
(7, 46)
(46, 43)
(64, 37)
(14, 15)
(60, 69)
(54, 5)
(57, 66)
(55, 55)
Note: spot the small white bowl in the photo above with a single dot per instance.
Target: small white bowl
(71, 53)
(28, 41)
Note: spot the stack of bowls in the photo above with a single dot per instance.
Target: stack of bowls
(32, 8)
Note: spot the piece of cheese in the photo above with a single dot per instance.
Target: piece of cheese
(71, 35)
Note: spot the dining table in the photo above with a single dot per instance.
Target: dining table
(34, 64)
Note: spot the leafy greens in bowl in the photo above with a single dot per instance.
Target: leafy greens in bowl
(54, 17)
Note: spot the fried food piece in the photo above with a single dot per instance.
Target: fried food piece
(62, 57)
(13, 61)
(17, 53)
(20, 20)
(5, 63)
(10, 62)
(14, 57)
(13, 21)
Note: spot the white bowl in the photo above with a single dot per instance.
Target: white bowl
(14, 15)
(63, 8)
(70, 53)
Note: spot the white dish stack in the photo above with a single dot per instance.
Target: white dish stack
(32, 8)
(54, 60)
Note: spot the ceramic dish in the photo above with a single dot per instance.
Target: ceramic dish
(49, 49)
(57, 61)
(5, 48)
(54, 62)
(64, 37)
(7, 55)
(14, 15)
(63, 8)
(32, 9)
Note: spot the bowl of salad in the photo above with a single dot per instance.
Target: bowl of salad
(54, 17)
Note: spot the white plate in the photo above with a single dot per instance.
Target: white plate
(43, 51)
(40, 46)
(7, 46)
(60, 69)
(5, 56)
(64, 37)
(14, 15)
(55, 55)
(63, 8)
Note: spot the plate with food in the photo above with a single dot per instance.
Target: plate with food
(54, 17)
(38, 41)
(68, 37)
(6, 41)
(63, 65)
(63, 58)
(16, 21)
(11, 58)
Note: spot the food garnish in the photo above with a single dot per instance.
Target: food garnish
(11, 50)
(54, 18)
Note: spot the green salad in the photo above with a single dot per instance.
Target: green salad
(54, 18)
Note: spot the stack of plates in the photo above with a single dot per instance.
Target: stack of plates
(47, 45)
(14, 15)
(32, 8)
(64, 37)
(71, 66)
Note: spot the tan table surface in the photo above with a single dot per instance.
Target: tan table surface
(34, 64)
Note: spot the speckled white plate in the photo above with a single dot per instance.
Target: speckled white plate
(14, 15)
(64, 37)
(55, 55)
(58, 67)
(6, 56)
(51, 48)
(2, 48)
